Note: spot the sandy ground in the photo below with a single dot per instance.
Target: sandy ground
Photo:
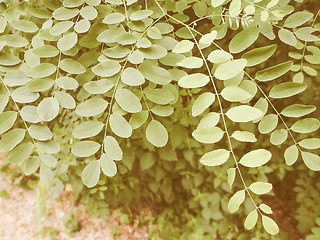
(19, 219)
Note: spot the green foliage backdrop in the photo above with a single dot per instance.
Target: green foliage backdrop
(156, 94)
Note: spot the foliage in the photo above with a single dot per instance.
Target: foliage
(97, 89)
(70, 222)
(315, 231)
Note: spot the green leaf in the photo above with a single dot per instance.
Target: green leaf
(20, 153)
(40, 84)
(71, 66)
(297, 110)
(24, 26)
(89, 12)
(244, 136)
(154, 33)
(236, 200)
(40, 132)
(219, 56)
(67, 83)
(137, 119)
(154, 52)
(208, 135)
(243, 40)
(61, 27)
(297, 19)
(65, 100)
(194, 80)
(140, 15)
(269, 225)
(287, 37)
(48, 160)
(46, 51)
(92, 107)
(65, 13)
(48, 109)
(120, 126)
(82, 26)
(268, 123)
(31, 165)
(67, 41)
(286, 89)
(8, 59)
(23, 95)
(306, 125)
(132, 77)
(259, 55)
(159, 96)
(310, 143)
(108, 166)
(85, 148)
(243, 113)
(311, 160)
(183, 46)
(208, 38)
(231, 172)
(156, 133)
(112, 148)
(273, 72)
(42, 70)
(46, 174)
(260, 187)
(209, 120)
(155, 74)
(50, 147)
(107, 68)
(91, 174)
(291, 155)
(191, 62)
(265, 208)
(279, 136)
(251, 219)
(215, 157)
(7, 119)
(29, 114)
(15, 78)
(230, 69)
(128, 101)
(114, 18)
(163, 111)
(13, 40)
(11, 139)
(72, 3)
(235, 94)
(98, 87)
(87, 129)
(204, 101)
(255, 158)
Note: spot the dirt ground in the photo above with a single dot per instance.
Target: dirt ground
(20, 220)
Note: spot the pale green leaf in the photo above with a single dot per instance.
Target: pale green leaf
(71, 66)
(260, 187)
(120, 126)
(215, 157)
(287, 89)
(204, 101)
(243, 40)
(92, 107)
(61, 27)
(67, 41)
(11, 139)
(31, 165)
(65, 13)
(48, 160)
(137, 119)
(191, 62)
(287, 37)
(230, 69)
(310, 143)
(306, 125)
(157, 134)
(23, 95)
(67, 83)
(311, 160)
(291, 155)
(235, 94)
(112, 148)
(231, 172)
(269, 225)
(128, 101)
(40, 132)
(297, 19)
(268, 123)
(114, 18)
(29, 114)
(183, 46)
(87, 129)
(20, 153)
(279, 136)
(7, 119)
(194, 80)
(251, 219)
(107, 68)
(42, 70)
(46, 51)
(255, 158)
(98, 87)
(65, 100)
(85, 148)
(208, 135)
(108, 166)
(297, 110)
(236, 200)
(15, 78)
(48, 109)
(244, 136)
(274, 72)
(91, 174)
(243, 113)
(211, 119)
(219, 56)
(159, 96)
(155, 74)
(265, 208)
(24, 26)
(140, 15)
(259, 55)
